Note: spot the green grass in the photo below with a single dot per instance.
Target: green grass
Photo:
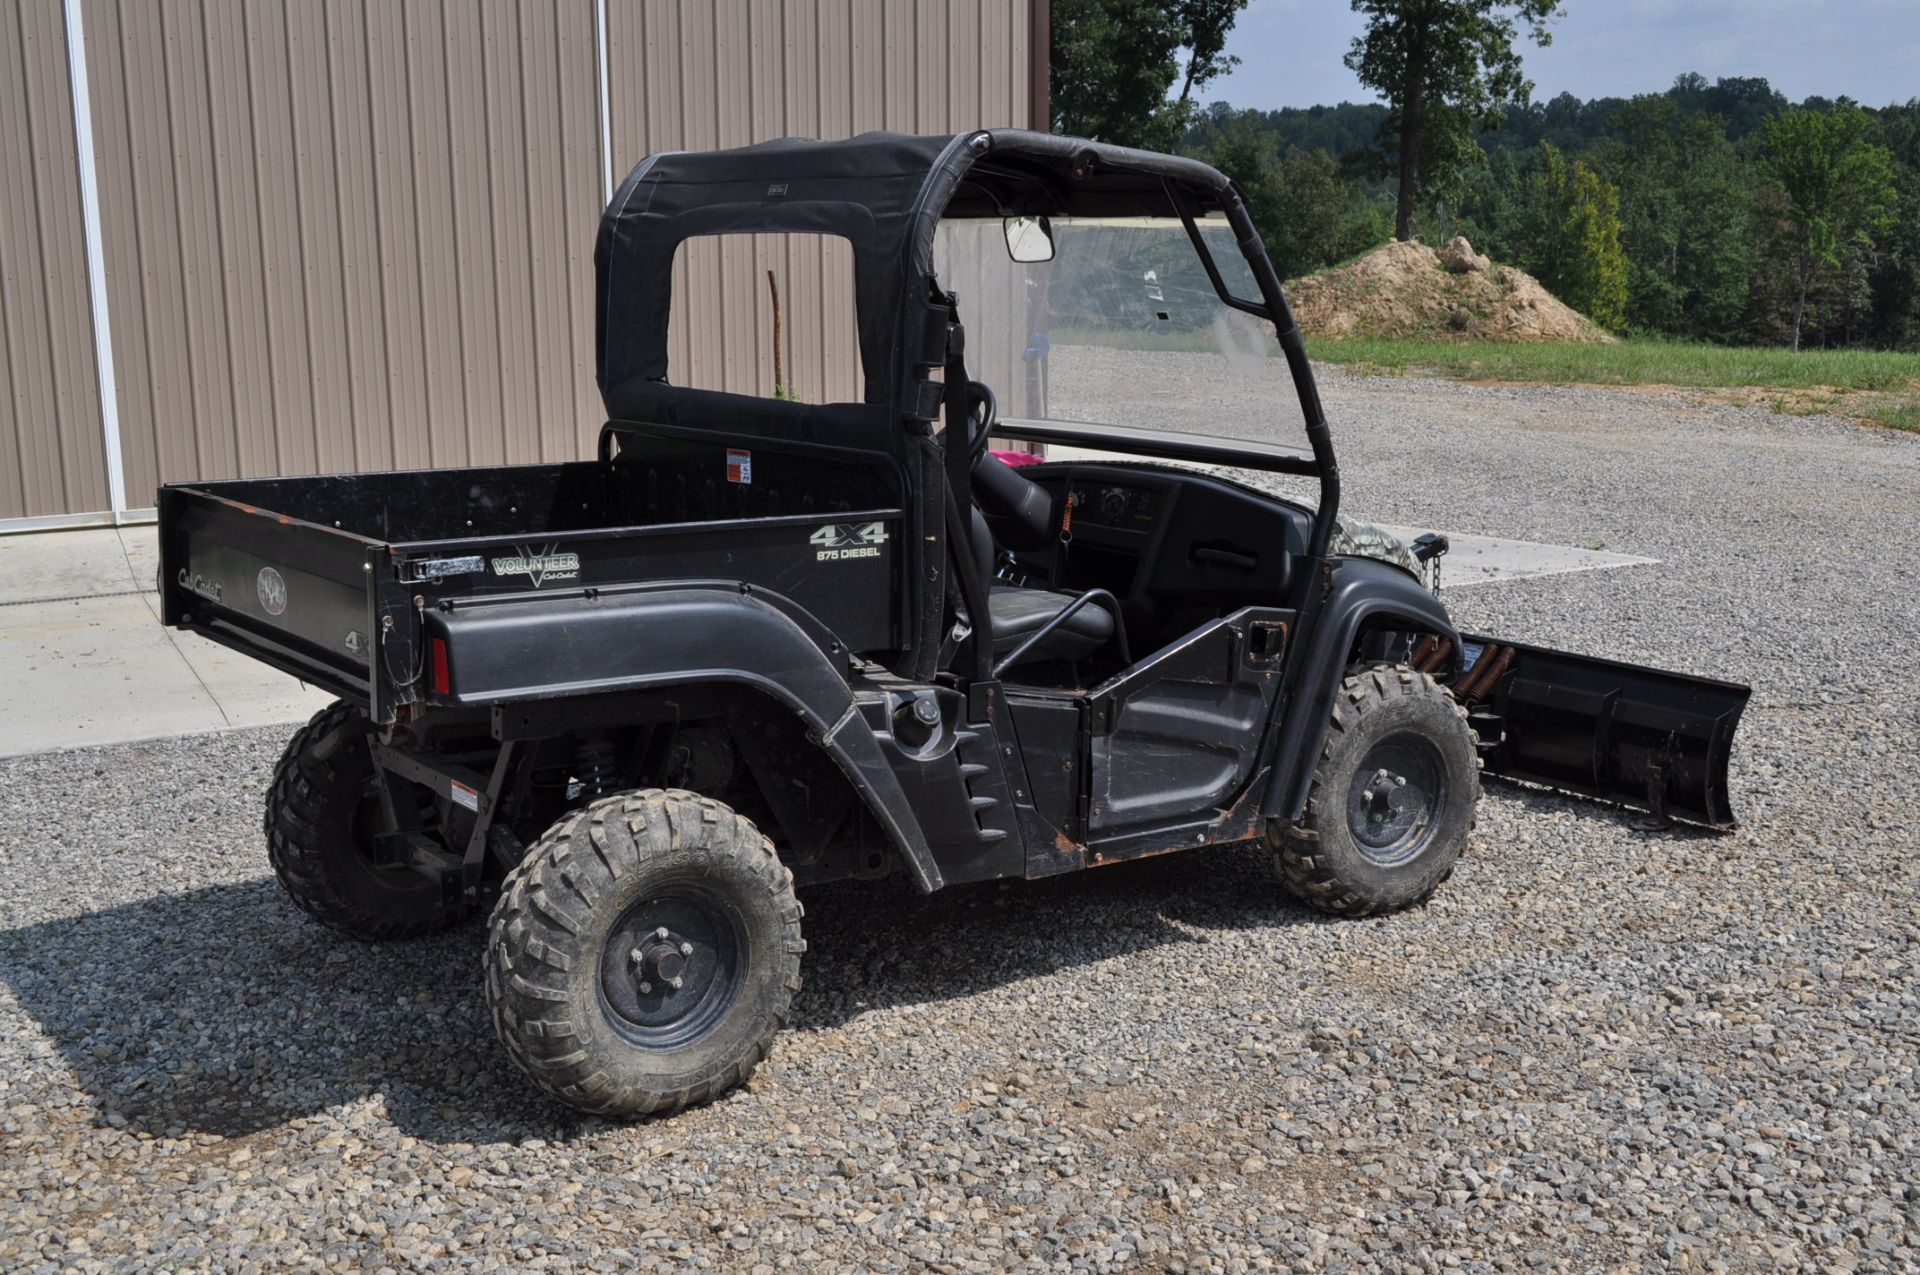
(1868, 384)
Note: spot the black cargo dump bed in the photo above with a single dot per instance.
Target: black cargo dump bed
(404, 506)
(327, 577)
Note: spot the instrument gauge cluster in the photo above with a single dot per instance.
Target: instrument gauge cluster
(1118, 505)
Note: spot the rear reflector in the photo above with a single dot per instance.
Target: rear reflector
(442, 684)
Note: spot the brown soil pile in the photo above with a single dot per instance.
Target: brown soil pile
(1407, 290)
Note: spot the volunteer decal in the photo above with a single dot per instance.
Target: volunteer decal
(538, 565)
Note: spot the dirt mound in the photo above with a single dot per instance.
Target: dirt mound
(1409, 290)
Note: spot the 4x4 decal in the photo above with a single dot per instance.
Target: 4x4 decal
(848, 540)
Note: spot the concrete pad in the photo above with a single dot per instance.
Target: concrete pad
(94, 671)
(1475, 560)
(66, 564)
(88, 662)
(142, 546)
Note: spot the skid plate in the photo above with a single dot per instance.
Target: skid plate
(1640, 737)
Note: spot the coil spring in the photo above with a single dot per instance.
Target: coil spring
(596, 767)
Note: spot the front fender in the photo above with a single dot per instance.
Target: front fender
(523, 647)
(1362, 593)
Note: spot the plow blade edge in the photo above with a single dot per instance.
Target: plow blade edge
(1639, 737)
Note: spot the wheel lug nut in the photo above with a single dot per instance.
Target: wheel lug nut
(686, 949)
(637, 956)
(660, 933)
(674, 982)
(646, 987)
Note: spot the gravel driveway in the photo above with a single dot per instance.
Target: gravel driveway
(1599, 1048)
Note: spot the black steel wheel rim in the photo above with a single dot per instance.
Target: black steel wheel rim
(1395, 798)
(672, 966)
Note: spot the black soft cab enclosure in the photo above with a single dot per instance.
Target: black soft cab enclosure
(945, 521)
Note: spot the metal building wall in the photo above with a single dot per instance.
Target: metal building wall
(691, 74)
(346, 235)
(358, 234)
(52, 459)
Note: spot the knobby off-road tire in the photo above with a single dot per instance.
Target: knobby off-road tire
(644, 953)
(1393, 797)
(319, 824)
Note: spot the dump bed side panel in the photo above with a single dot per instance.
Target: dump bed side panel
(295, 595)
(843, 570)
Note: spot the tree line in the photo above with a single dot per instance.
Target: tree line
(1717, 212)
(1712, 211)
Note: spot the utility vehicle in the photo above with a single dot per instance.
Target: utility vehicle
(818, 631)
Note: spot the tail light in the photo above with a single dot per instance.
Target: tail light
(442, 683)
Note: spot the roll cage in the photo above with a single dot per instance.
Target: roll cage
(886, 194)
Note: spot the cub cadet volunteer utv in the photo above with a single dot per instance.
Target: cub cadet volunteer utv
(760, 640)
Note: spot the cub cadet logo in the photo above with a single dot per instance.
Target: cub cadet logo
(202, 586)
(538, 565)
(842, 540)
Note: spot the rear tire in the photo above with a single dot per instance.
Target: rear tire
(1393, 798)
(644, 953)
(320, 818)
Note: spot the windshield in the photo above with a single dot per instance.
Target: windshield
(1121, 327)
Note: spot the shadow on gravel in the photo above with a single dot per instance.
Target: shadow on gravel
(877, 944)
(223, 1010)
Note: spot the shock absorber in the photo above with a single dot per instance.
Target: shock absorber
(596, 767)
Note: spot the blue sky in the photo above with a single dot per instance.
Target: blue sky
(1291, 50)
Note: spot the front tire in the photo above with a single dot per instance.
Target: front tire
(320, 820)
(1393, 798)
(644, 953)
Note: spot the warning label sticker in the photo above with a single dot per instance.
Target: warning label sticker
(739, 466)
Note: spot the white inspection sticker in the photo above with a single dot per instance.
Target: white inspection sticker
(739, 466)
(463, 795)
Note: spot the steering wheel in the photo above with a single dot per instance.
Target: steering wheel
(981, 419)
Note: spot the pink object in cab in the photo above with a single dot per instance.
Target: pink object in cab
(1017, 459)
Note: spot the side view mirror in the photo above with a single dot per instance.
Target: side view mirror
(1029, 239)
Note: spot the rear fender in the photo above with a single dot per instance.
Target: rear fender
(1639, 737)
(1362, 594)
(519, 648)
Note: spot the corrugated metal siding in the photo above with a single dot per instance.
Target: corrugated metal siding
(345, 235)
(358, 234)
(689, 74)
(52, 459)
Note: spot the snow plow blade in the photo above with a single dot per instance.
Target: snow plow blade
(1639, 737)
